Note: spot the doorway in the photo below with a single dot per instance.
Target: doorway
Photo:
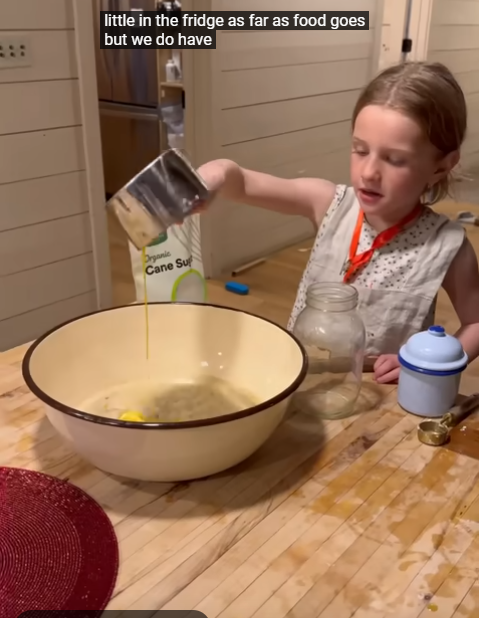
(394, 30)
(405, 31)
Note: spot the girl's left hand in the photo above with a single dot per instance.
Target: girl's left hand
(386, 369)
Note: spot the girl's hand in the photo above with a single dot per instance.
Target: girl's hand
(214, 176)
(386, 369)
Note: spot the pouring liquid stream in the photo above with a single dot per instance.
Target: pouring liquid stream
(147, 329)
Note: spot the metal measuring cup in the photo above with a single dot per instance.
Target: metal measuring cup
(436, 432)
(162, 194)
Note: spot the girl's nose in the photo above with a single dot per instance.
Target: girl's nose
(371, 170)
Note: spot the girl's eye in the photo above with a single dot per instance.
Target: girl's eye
(396, 162)
(359, 152)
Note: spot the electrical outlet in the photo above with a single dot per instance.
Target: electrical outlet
(14, 52)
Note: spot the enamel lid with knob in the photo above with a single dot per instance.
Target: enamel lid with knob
(433, 351)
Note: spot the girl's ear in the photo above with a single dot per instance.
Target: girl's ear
(446, 164)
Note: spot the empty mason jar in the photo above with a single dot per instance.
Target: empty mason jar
(334, 336)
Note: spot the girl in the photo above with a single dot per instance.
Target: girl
(380, 234)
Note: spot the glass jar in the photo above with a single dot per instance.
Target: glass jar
(334, 336)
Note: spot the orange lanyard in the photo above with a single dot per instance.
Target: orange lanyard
(355, 262)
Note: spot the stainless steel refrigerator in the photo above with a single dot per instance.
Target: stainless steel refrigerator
(128, 92)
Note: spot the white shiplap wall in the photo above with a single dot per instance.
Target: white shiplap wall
(47, 269)
(454, 41)
(281, 103)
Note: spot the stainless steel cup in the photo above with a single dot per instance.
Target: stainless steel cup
(162, 194)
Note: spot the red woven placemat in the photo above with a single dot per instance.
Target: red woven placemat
(58, 549)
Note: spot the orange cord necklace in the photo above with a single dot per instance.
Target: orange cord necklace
(355, 262)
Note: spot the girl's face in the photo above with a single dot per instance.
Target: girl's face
(391, 162)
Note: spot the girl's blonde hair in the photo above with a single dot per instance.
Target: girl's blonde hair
(428, 93)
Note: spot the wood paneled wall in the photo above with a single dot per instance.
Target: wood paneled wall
(47, 265)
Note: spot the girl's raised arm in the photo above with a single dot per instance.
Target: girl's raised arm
(308, 197)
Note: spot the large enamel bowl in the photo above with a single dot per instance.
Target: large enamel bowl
(189, 344)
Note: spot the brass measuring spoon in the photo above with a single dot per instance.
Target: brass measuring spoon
(436, 432)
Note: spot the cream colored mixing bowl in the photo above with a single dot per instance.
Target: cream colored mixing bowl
(218, 379)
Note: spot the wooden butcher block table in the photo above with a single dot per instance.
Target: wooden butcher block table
(342, 518)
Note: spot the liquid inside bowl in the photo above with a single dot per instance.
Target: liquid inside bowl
(166, 402)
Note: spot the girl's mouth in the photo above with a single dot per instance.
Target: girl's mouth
(369, 196)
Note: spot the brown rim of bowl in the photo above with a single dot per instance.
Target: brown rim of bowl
(102, 420)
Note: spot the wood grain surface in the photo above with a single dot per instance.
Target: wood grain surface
(464, 438)
(329, 519)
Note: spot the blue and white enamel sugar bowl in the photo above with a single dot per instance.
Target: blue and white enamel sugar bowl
(431, 363)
